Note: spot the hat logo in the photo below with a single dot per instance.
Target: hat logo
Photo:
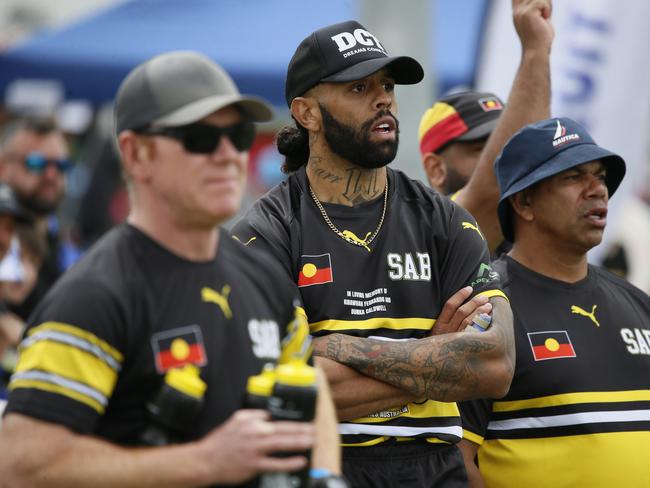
(346, 41)
(560, 137)
(490, 103)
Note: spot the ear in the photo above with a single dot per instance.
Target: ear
(307, 113)
(436, 170)
(137, 154)
(520, 203)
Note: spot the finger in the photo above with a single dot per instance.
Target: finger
(284, 443)
(486, 309)
(452, 304)
(469, 309)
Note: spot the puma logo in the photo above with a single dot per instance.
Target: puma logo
(583, 312)
(245, 243)
(469, 225)
(348, 234)
(221, 299)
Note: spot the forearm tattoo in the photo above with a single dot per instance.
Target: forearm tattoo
(423, 367)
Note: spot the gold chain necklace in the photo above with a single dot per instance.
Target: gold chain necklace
(348, 235)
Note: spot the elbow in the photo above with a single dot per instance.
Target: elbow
(501, 380)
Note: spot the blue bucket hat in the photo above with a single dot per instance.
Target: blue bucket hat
(543, 149)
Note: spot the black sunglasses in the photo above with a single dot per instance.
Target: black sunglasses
(204, 138)
(37, 162)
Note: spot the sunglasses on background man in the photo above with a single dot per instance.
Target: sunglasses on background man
(37, 162)
(205, 138)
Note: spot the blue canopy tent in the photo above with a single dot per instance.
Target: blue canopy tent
(253, 40)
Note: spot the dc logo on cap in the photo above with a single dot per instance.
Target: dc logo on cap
(560, 137)
(346, 41)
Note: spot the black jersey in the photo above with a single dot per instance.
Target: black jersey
(393, 289)
(578, 410)
(98, 346)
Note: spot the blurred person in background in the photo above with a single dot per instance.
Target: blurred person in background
(13, 275)
(465, 167)
(33, 162)
(452, 135)
(578, 409)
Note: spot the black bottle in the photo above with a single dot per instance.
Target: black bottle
(294, 398)
(174, 409)
(259, 388)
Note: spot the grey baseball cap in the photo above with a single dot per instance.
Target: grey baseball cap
(179, 88)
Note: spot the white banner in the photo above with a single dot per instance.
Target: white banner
(600, 69)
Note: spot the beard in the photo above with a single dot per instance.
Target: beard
(39, 207)
(355, 145)
(454, 181)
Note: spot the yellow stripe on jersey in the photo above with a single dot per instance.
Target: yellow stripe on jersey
(69, 362)
(595, 460)
(371, 442)
(493, 293)
(472, 437)
(370, 324)
(572, 399)
(426, 410)
(61, 390)
(80, 333)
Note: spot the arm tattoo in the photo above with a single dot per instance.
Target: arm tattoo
(423, 367)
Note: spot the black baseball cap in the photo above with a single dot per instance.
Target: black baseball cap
(344, 52)
(541, 150)
(459, 117)
(179, 88)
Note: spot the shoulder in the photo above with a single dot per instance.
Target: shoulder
(273, 208)
(415, 193)
(613, 282)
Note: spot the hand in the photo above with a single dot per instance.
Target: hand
(532, 19)
(456, 315)
(242, 447)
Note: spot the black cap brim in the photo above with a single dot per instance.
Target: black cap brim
(479, 132)
(404, 69)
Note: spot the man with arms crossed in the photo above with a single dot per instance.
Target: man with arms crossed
(376, 256)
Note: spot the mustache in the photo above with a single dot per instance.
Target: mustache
(384, 113)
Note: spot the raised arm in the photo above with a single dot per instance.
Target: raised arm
(529, 101)
(449, 367)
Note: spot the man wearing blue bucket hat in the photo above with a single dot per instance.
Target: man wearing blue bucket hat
(580, 398)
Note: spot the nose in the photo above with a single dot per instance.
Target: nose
(383, 99)
(226, 149)
(597, 187)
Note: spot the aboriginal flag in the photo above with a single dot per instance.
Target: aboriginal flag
(490, 103)
(551, 345)
(315, 270)
(178, 347)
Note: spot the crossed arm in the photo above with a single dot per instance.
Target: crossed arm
(450, 367)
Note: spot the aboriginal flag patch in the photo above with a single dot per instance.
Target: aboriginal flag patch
(178, 347)
(490, 103)
(315, 270)
(551, 345)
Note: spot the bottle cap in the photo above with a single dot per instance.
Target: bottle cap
(186, 380)
(295, 373)
(262, 384)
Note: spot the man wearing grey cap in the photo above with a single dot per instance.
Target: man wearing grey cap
(579, 402)
(150, 339)
(376, 256)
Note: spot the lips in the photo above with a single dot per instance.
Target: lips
(597, 216)
(385, 125)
